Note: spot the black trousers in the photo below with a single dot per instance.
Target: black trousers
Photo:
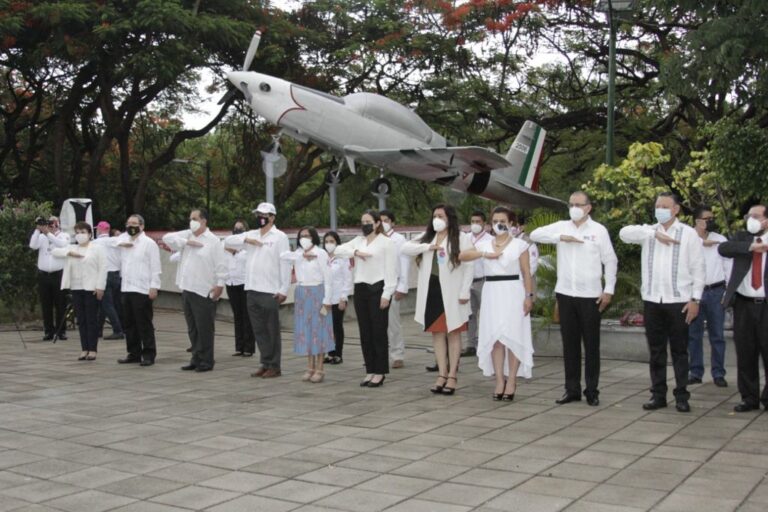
(52, 297)
(580, 323)
(338, 331)
(138, 327)
(110, 303)
(87, 312)
(200, 314)
(750, 335)
(244, 340)
(264, 312)
(665, 325)
(373, 322)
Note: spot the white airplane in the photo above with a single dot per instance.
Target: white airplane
(374, 130)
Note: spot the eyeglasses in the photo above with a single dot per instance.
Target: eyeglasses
(571, 205)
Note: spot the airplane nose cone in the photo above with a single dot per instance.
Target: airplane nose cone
(236, 78)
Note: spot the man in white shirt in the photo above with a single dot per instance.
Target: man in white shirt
(584, 256)
(201, 275)
(746, 291)
(718, 269)
(46, 237)
(139, 282)
(394, 330)
(110, 303)
(673, 273)
(267, 279)
(478, 233)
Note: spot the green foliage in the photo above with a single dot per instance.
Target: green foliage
(18, 263)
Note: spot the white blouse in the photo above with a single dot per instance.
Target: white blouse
(381, 265)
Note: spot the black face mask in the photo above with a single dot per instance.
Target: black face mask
(711, 225)
(238, 231)
(133, 230)
(262, 221)
(367, 229)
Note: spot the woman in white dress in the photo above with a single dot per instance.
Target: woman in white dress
(442, 295)
(505, 346)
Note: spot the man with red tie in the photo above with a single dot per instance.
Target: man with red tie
(746, 291)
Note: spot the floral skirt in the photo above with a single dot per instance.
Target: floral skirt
(313, 332)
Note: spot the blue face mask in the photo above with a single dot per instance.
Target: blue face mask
(663, 215)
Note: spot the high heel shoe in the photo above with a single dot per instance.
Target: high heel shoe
(83, 356)
(307, 375)
(317, 377)
(366, 381)
(507, 397)
(372, 384)
(497, 397)
(438, 388)
(447, 390)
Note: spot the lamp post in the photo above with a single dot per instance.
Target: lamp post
(612, 8)
(207, 167)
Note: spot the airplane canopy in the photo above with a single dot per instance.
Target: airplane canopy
(390, 112)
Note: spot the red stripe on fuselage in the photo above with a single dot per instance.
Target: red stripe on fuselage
(298, 107)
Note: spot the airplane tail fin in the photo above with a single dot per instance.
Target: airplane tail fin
(525, 156)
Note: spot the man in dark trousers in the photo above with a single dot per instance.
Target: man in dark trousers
(46, 237)
(746, 292)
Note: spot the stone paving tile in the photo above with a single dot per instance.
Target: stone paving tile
(194, 441)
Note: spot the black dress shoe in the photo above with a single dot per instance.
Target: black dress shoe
(469, 352)
(683, 406)
(566, 399)
(745, 407)
(189, 367)
(48, 337)
(201, 369)
(654, 403)
(593, 401)
(237, 354)
(721, 382)
(189, 349)
(147, 362)
(694, 380)
(129, 360)
(372, 384)
(432, 368)
(247, 354)
(62, 337)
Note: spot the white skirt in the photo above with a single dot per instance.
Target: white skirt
(502, 319)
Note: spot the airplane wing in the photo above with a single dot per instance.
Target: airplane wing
(519, 196)
(430, 164)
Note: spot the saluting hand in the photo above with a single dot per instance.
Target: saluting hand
(74, 254)
(194, 243)
(756, 247)
(253, 241)
(571, 239)
(710, 243)
(665, 238)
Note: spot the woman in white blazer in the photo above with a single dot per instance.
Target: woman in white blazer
(85, 274)
(442, 295)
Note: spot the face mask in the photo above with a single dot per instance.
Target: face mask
(663, 215)
(262, 221)
(82, 238)
(754, 226)
(194, 225)
(238, 231)
(711, 226)
(330, 247)
(500, 228)
(439, 224)
(133, 230)
(305, 243)
(576, 213)
(386, 227)
(476, 228)
(367, 229)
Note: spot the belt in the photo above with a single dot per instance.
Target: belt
(712, 286)
(46, 272)
(756, 300)
(514, 277)
(478, 279)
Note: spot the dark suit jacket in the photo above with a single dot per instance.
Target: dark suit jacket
(737, 248)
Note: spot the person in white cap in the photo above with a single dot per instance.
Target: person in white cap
(267, 279)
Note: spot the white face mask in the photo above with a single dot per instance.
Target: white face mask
(330, 247)
(82, 238)
(576, 213)
(439, 224)
(194, 225)
(754, 226)
(500, 228)
(305, 243)
(476, 228)
(663, 215)
(386, 227)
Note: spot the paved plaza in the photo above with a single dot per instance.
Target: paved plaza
(96, 436)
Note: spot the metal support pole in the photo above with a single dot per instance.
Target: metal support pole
(332, 199)
(270, 180)
(611, 86)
